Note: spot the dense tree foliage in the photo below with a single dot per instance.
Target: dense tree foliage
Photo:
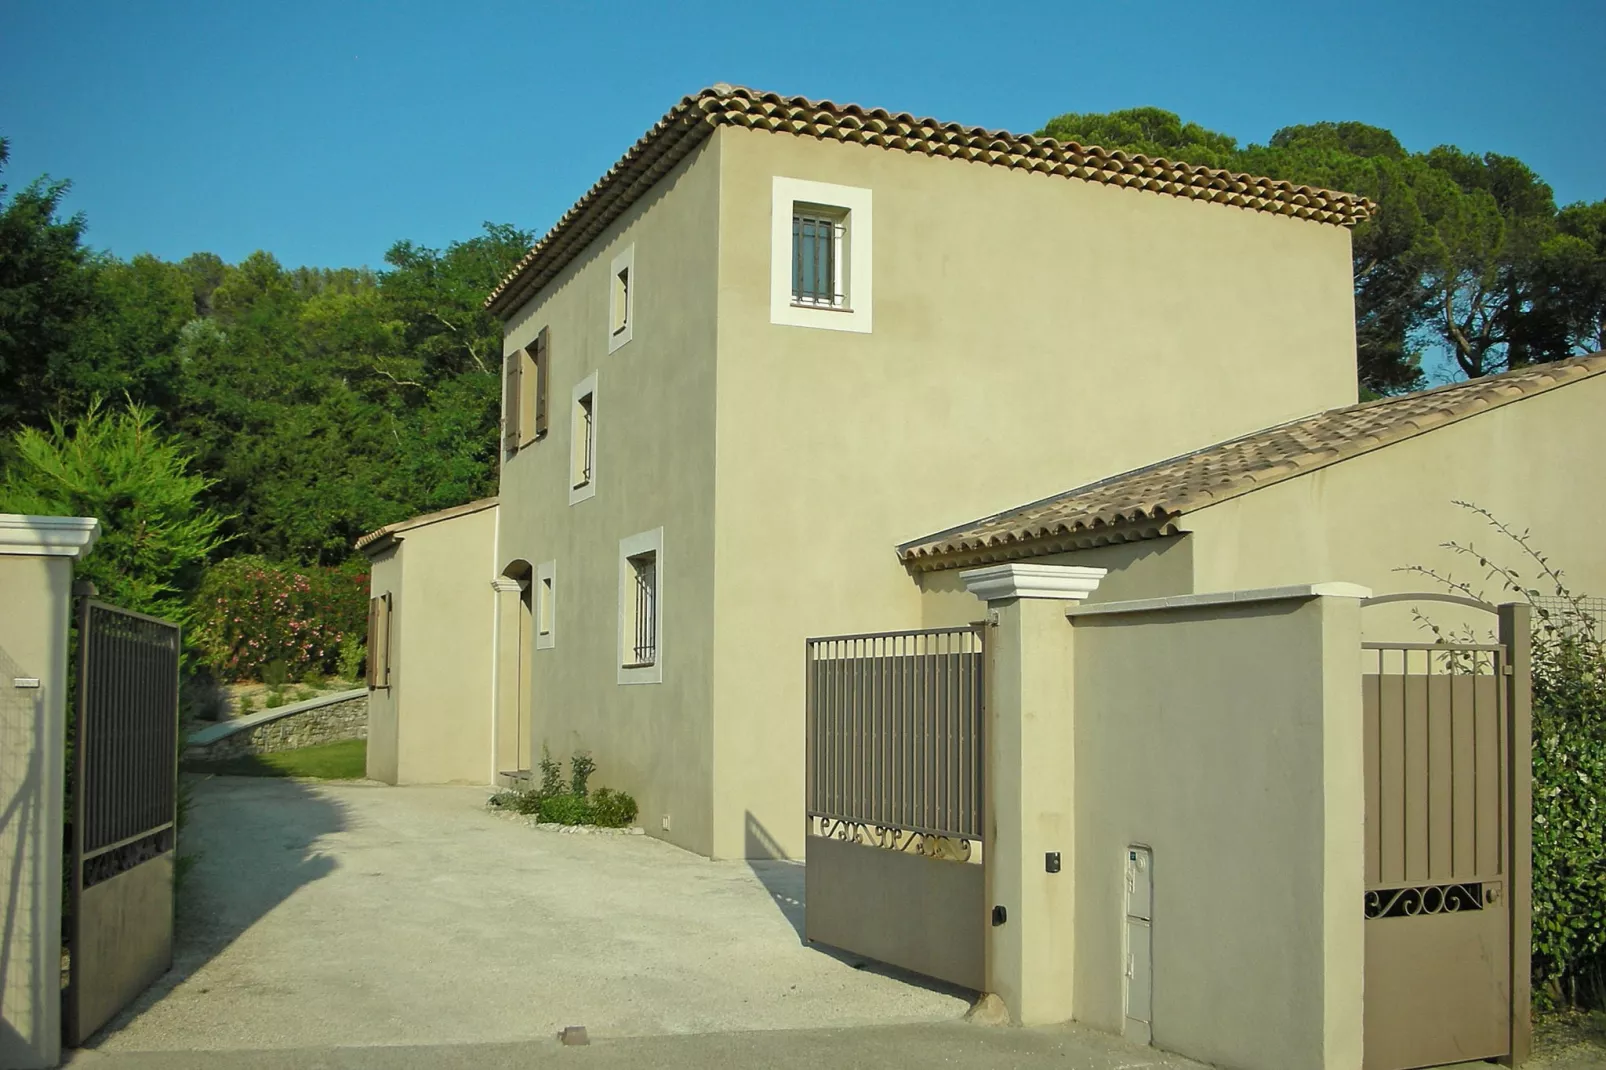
(317, 403)
(1467, 253)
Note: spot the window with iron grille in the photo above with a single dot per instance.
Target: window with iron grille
(642, 645)
(585, 416)
(583, 440)
(641, 609)
(821, 255)
(819, 268)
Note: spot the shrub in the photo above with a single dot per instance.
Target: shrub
(258, 620)
(566, 809)
(580, 769)
(569, 804)
(613, 809)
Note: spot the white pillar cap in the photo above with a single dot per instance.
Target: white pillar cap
(47, 536)
(1066, 583)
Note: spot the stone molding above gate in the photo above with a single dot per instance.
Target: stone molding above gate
(1069, 583)
(47, 536)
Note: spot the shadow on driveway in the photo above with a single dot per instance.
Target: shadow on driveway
(258, 838)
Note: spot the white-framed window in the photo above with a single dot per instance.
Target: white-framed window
(820, 255)
(622, 298)
(641, 608)
(546, 605)
(583, 440)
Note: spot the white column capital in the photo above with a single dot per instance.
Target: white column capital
(47, 536)
(506, 586)
(1066, 583)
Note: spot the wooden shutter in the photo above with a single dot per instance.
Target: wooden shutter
(543, 361)
(379, 642)
(373, 642)
(512, 373)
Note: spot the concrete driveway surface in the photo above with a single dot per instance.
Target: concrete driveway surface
(351, 914)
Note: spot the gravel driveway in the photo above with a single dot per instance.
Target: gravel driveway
(358, 914)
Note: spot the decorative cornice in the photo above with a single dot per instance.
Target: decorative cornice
(47, 536)
(1070, 583)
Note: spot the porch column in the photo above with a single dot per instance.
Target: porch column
(36, 565)
(505, 678)
(1030, 760)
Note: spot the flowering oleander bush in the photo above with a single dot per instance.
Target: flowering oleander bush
(255, 619)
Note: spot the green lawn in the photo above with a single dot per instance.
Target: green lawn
(343, 760)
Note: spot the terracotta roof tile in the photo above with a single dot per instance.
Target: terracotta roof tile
(1146, 502)
(367, 541)
(691, 121)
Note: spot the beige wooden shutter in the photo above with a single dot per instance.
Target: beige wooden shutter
(543, 362)
(512, 372)
(373, 642)
(384, 640)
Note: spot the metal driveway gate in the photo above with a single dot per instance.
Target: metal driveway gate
(894, 799)
(1447, 752)
(124, 794)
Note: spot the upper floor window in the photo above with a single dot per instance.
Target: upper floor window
(820, 255)
(622, 299)
(583, 440)
(819, 270)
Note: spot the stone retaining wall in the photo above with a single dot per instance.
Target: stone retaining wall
(320, 720)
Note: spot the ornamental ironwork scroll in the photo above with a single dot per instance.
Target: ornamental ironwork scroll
(924, 844)
(1428, 899)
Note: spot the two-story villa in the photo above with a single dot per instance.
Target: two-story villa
(781, 337)
(782, 342)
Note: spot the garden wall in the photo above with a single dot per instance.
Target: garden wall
(325, 719)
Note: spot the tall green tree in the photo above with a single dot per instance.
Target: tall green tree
(1466, 253)
(119, 467)
(45, 289)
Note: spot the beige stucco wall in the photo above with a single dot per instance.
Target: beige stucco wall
(1530, 462)
(36, 593)
(1228, 740)
(443, 651)
(1030, 333)
(655, 468)
(385, 576)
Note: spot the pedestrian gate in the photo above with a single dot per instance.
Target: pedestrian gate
(1447, 752)
(124, 794)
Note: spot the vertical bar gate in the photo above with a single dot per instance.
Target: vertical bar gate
(124, 812)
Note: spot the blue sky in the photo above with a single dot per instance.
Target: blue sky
(325, 132)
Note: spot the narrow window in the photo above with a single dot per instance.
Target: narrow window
(585, 425)
(583, 440)
(546, 605)
(641, 608)
(642, 634)
(819, 268)
(621, 300)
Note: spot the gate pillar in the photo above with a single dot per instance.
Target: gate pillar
(36, 556)
(1028, 824)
